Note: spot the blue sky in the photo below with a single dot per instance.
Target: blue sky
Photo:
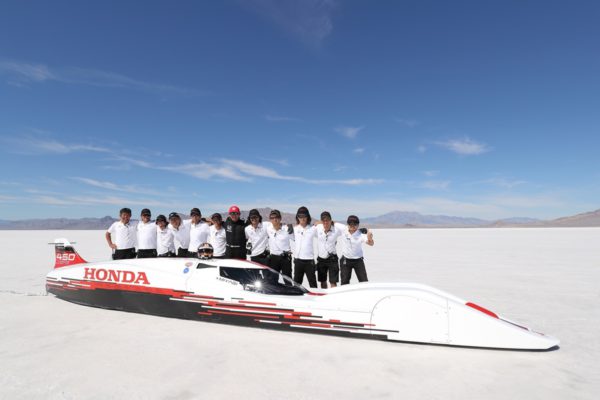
(469, 108)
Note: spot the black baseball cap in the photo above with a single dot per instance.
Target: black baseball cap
(125, 211)
(216, 216)
(353, 220)
(254, 213)
(275, 214)
(146, 211)
(173, 215)
(161, 218)
(195, 211)
(302, 212)
(325, 214)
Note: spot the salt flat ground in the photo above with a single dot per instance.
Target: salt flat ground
(548, 279)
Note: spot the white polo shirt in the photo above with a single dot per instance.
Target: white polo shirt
(122, 235)
(218, 240)
(352, 244)
(258, 237)
(304, 238)
(165, 240)
(146, 236)
(198, 235)
(181, 235)
(279, 240)
(326, 241)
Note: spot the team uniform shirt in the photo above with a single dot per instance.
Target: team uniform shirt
(258, 237)
(352, 244)
(304, 238)
(326, 241)
(198, 235)
(165, 240)
(146, 236)
(123, 235)
(218, 240)
(181, 235)
(279, 239)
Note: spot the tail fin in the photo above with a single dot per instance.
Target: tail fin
(65, 254)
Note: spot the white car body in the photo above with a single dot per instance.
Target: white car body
(245, 293)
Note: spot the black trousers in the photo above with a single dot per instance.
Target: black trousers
(281, 264)
(261, 258)
(146, 253)
(328, 265)
(305, 267)
(348, 264)
(123, 254)
(181, 252)
(235, 252)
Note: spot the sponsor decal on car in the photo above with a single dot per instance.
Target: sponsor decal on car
(117, 276)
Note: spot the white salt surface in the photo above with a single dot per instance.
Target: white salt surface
(547, 279)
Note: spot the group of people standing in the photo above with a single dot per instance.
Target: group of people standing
(270, 243)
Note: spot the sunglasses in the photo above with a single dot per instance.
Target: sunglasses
(352, 224)
(205, 250)
(234, 213)
(254, 218)
(273, 217)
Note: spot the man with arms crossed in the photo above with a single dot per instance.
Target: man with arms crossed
(181, 234)
(198, 231)
(146, 236)
(123, 234)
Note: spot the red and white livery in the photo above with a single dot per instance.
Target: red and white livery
(244, 293)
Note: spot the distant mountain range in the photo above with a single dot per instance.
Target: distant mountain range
(395, 219)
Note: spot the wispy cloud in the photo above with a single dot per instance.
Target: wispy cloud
(9, 199)
(431, 173)
(421, 149)
(264, 172)
(349, 132)
(359, 150)
(21, 73)
(410, 123)
(279, 161)
(434, 185)
(464, 146)
(309, 21)
(96, 200)
(279, 118)
(33, 145)
(501, 182)
(237, 170)
(131, 188)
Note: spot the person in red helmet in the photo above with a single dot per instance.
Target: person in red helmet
(235, 234)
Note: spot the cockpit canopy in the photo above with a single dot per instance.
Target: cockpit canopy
(263, 280)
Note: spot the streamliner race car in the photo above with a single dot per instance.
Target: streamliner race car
(245, 293)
